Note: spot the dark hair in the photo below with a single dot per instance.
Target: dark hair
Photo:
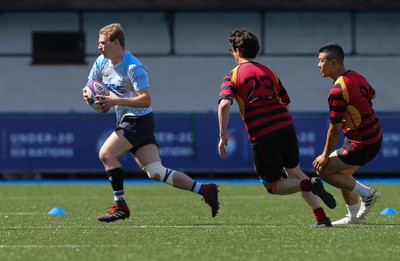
(246, 41)
(333, 51)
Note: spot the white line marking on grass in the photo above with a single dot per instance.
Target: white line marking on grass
(23, 213)
(208, 226)
(43, 246)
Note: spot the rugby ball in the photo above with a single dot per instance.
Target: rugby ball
(94, 88)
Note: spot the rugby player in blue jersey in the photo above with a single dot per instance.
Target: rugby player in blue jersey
(127, 81)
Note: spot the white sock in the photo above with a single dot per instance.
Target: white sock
(196, 186)
(353, 210)
(362, 190)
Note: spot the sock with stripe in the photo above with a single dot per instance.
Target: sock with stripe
(197, 187)
(119, 197)
(116, 178)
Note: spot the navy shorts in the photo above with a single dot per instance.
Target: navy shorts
(139, 130)
(272, 155)
(358, 156)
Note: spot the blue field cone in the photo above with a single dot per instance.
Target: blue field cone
(57, 211)
(389, 211)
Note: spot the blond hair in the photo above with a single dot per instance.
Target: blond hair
(114, 31)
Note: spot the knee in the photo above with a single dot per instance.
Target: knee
(104, 156)
(157, 171)
(322, 174)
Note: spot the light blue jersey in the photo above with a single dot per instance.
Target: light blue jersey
(123, 80)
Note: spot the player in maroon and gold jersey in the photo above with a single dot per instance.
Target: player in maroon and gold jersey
(350, 111)
(263, 101)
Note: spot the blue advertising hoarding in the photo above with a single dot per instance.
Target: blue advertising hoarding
(70, 142)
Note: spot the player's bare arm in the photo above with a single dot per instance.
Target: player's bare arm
(142, 100)
(332, 138)
(223, 120)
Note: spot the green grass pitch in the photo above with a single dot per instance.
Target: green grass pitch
(172, 224)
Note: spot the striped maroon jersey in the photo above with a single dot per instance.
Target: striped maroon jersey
(350, 102)
(261, 97)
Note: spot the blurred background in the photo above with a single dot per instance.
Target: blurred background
(48, 48)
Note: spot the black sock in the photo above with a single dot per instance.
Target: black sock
(116, 177)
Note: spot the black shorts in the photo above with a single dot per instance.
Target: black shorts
(271, 156)
(139, 130)
(358, 156)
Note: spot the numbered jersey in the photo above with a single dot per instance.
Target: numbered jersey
(261, 97)
(350, 103)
